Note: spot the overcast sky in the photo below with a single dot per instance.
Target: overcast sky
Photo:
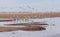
(29, 5)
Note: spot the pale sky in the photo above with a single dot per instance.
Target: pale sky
(29, 5)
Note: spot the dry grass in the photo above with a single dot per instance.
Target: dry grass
(32, 28)
(5, 20)
(29, 15)
(27, 27)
